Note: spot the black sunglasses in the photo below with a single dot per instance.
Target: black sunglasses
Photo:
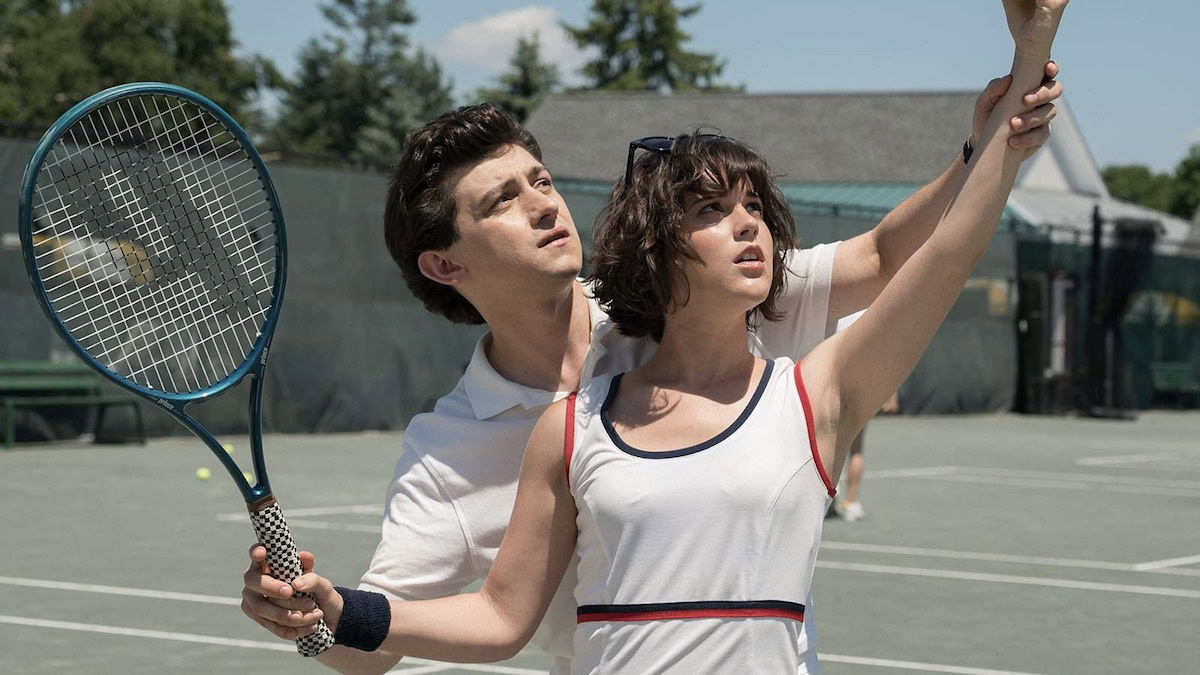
(656, 144)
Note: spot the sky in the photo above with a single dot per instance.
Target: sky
(1129, 69)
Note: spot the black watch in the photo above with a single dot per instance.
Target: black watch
(968, 150)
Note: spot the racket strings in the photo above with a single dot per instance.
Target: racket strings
(174, 354)
(157, 248)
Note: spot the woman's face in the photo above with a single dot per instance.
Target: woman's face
(730, 236)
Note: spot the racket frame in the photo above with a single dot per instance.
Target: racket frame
(255, 362)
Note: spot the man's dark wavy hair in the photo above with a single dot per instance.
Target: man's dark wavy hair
(421, 209)
(641, 241)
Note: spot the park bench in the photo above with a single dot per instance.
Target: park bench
(1176, 378)
(37, 384)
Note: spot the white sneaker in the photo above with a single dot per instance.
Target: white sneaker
(851, 511)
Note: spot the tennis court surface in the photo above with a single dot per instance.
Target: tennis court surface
(992, 545)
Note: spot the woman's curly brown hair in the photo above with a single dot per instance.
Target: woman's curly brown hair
(640, 239)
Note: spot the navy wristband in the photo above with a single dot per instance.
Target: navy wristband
(366, 618)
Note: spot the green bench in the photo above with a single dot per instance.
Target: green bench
(1177, 378)
(36, 384)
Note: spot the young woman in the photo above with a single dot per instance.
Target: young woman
(693, 488)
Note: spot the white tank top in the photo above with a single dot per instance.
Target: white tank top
(696, 560)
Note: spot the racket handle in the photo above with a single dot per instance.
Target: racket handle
(272, 531)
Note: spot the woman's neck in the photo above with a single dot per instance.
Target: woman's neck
(696, 352)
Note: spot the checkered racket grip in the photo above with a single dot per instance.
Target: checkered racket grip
(272, 531)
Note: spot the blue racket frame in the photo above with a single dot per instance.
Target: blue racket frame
(256, 360)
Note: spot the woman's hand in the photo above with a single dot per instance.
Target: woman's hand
(1033, 24)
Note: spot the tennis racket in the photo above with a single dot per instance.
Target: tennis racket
(155, 244)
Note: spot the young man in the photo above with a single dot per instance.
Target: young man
(482, 236)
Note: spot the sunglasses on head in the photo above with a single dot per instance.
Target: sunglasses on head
(656, 144)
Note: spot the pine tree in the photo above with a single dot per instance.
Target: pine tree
(521, 89)
(359, 90)
(642, 47)
(53, 54)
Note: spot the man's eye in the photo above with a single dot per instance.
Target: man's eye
(710, 207)
(756, 206)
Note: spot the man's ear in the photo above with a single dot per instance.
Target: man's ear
(437, 265)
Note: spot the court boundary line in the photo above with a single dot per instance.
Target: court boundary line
(1157, 567)
(913, 665)
(1012, 579)
(427, 666)
(118, 590)
(244, 644)
(1109, 460)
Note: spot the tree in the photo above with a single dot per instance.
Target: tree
(642, 47)
(528, 80)
(1177, 193)
(1137, 183)
(359, 91)
(1187, 180)
(53, 54)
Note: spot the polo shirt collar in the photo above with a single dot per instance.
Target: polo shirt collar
(490, 394)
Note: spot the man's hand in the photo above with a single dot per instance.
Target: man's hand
(274, 605)
(1030, 129)
(1033, 24)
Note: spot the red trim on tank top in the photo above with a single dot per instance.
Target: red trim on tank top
(812, 432)
(569, 436)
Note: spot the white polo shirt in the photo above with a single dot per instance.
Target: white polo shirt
(450, 499)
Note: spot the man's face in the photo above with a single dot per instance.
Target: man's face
(514, 228)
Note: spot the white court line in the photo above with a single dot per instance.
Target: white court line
(1170, 562)
(1011, 579)
(913, 665)
(1066, 485)
(1085, 477)
(909, 473)
(368, 509)
(1109, 460)
(304, 524)
(426, 666)
(117, 590)
(971, 555)
(1047, 479)
(245, 644)
(1156, 566)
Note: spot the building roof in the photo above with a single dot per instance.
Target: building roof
(875, 137)
(854, 151)
(1067, 218)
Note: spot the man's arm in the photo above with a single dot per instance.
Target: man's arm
(865, 264)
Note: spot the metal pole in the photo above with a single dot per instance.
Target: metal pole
(1095, 337)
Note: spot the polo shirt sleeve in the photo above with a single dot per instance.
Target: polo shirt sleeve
(423, 551)
(804, 304)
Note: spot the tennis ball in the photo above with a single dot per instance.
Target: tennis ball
(249, 477)
(203, 473)
(229, 448)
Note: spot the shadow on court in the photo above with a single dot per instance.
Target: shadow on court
(992, 545)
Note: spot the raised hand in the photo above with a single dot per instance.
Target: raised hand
(1031, 129)
(1033, 24)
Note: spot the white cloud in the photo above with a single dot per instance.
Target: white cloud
(489, 42)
